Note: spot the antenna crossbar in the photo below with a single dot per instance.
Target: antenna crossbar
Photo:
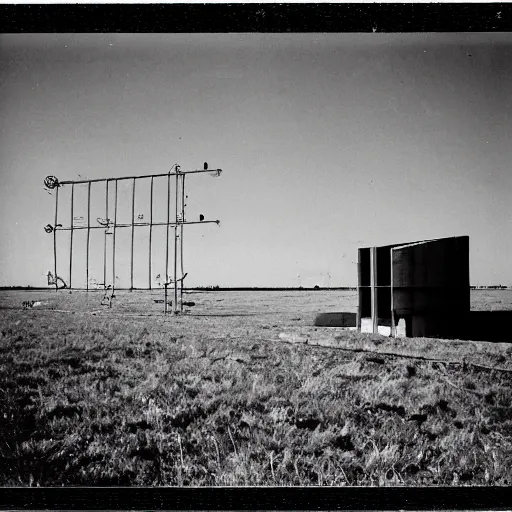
(142, 176)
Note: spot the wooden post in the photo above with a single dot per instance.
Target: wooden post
(373, 287)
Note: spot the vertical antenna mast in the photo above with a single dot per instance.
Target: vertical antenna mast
(133, 233)
(181, 238)
(175, 305)
(71, 240)
(166, 281)
(114, 245)
(150, 228)
(105, 239)
(88, 234)
(55, 238)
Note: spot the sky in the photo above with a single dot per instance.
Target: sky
(328, 142)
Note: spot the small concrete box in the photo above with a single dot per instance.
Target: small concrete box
(425, 284)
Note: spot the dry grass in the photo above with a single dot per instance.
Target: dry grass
(93, 396)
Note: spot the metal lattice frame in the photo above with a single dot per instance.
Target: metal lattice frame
(51, 182)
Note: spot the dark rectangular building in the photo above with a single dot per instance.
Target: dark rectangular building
(414, 289)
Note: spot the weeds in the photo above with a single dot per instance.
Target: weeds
(194, 401)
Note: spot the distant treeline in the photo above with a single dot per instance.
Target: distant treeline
(268, 289)
(26, 287)
(245, 288)
(494, 287)
(200, 288)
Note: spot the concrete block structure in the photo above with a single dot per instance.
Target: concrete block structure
(414, 289)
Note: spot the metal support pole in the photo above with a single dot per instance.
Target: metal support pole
(167, 238)
(373, 287)
(114, 245)
(88, 234)
(133, 232)
(55, 239)
(105, 237)
(175, 308)
(181, 237)
(71, 239)
(150, 228)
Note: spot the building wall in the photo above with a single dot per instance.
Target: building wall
(430, 283)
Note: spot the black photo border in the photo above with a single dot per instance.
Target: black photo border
(250, 18)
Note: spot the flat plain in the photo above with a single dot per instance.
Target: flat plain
(242, 389)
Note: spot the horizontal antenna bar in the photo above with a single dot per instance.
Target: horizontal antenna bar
(139, 177)
(140, 224)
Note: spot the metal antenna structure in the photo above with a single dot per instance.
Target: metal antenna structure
(110, 226)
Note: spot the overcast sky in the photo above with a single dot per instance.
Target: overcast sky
(328, 142)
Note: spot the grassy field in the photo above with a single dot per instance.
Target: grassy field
(243, 390)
